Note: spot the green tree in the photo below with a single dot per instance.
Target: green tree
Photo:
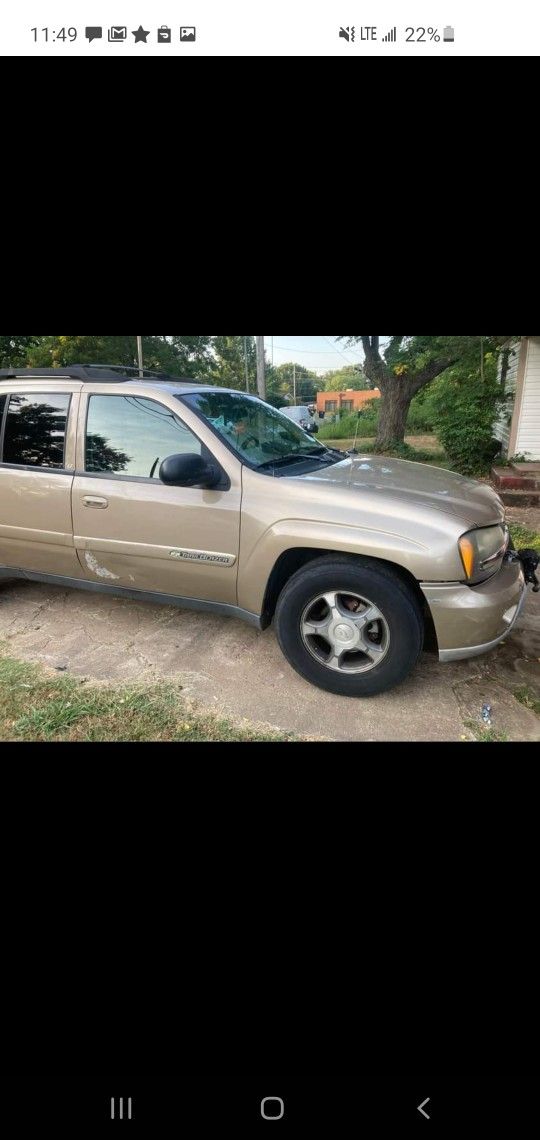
(184, 355)
(229, 367)
(351, 377)
(405, 365)
(14, 350)
(280, 382)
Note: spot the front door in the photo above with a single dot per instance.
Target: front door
(37, 466)
(133, 531)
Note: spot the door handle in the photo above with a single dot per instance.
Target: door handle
(96, 503)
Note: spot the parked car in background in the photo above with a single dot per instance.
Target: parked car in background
(304, 417)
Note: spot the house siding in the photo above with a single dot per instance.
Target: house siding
(528, 436)
(504, 421)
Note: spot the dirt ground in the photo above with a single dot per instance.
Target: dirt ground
(229, 668)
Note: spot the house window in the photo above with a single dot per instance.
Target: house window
(331, 405)
(348, 405)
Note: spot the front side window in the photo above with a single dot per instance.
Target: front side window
(35, 430)
(129, 435)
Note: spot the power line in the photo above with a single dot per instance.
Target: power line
(338, 350)
(322, 351)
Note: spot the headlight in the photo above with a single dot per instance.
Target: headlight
(482, 551)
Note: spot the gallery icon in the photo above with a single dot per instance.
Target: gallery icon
(164, 35)
(188, 35)
(93, 34)
(117, 35)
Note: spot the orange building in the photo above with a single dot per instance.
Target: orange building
(331, 403)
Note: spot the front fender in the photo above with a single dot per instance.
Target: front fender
(258, 560)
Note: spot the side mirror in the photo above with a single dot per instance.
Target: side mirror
(313, 429)
(188, 471)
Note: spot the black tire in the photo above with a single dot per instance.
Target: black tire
(371, 580)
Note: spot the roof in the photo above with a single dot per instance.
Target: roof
(116, 374)
(90, 373)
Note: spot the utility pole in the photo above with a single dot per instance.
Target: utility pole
(294, 383)
(482, 363)
(246, 358)
(140, 355)
(261, 368)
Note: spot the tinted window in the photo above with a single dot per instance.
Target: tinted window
(127, 435)
(35, 432)
(2, 406)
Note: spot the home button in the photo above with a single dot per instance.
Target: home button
(273, 1108)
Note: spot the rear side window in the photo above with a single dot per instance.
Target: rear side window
(35, 430)
(128, 435)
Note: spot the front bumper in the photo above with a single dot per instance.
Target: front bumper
(472, 620)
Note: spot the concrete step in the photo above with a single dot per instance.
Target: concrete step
(519, 498)
(510, 479)
(527, 468)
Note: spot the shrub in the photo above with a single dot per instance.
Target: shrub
(421, 421)
(365, 421)
(465, 410)
(421, 418)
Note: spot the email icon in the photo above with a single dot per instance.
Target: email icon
(117, 34)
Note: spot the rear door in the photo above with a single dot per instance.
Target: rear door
(37, 465)
(133, 531)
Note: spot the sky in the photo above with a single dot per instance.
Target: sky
(315, 352)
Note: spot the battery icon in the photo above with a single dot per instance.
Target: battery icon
(448, 35)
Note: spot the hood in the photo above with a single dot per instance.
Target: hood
(475, 504)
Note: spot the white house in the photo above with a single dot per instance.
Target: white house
(518, 426)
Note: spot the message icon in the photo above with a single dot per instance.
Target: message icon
(188, 35)
(94, 34)
(117, 34)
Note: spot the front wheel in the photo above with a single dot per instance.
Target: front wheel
(350, 626)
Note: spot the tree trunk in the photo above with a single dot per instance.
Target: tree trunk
(395, 403)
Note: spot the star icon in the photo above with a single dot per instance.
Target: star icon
(140, 35)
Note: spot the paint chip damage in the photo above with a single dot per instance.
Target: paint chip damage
(99, 571)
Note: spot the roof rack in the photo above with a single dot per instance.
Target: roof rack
(90, 373)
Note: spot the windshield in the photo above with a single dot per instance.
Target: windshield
(257, 432)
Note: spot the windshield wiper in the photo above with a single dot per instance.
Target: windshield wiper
(293, 457)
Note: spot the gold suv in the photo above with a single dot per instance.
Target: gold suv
(148, 486)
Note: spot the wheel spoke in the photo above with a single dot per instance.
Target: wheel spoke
(374, 652)
(317, 628)
(369, 616)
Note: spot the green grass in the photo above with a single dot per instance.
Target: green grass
(37, 706)
(404, 451)
(527, 697)
(486, 735)
(523, 537)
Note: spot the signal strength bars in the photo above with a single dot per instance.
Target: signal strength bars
(391, 37)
